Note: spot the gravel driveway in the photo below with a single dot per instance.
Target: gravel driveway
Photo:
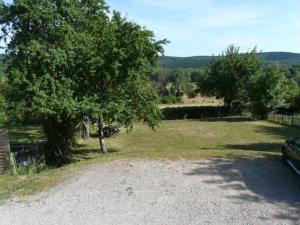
(141, 192)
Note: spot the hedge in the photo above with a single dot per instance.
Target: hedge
(197, 112)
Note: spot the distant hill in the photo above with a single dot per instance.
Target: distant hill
(184, 62)
(286, 58)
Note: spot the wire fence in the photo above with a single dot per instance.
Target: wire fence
(287, 120)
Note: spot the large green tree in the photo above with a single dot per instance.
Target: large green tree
(70, 60)
(229, 76)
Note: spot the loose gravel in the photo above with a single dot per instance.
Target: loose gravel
(162, 192)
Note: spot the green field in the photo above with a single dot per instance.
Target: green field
(193, 139)
(229, 137)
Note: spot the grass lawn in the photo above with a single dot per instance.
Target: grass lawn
(194, 139)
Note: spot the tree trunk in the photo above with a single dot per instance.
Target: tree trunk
(227, 102)
(101, 137)
(58, 143)
(86, 128)
(53, 155)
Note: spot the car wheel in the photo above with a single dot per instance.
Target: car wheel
(283, 156)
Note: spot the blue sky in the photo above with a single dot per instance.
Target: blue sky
(206, 27)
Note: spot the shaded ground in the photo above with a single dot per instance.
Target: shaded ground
(135, 192)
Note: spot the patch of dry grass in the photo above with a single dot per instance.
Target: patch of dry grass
(197, 101)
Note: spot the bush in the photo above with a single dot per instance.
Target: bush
(197, 112)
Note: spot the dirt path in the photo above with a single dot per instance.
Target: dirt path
(141, 192)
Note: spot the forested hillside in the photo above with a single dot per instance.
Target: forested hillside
(184, 62)
(286, 58)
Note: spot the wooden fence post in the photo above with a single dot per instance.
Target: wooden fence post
(12, 160)
(4, 149)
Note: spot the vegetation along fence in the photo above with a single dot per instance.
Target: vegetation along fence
(288, 120)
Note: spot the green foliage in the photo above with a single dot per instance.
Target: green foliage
(229, 76)
(295, 100)
(3, 63)
(172, 84)
(294, 73)
(32, 169)
(170, 99)
(245, 83)
(70, 59)
(3, 104)
(270, 90)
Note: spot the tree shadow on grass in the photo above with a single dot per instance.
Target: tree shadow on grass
(255, 181)
(229, 119)
(281, 132)
(94, 135)
(87, 151)
(265, 147)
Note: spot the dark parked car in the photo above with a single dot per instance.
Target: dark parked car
(291, 153)
(110, 131)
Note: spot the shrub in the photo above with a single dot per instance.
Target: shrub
(170, 99)
(197, 112)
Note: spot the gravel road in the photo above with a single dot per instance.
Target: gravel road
(142, 192)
